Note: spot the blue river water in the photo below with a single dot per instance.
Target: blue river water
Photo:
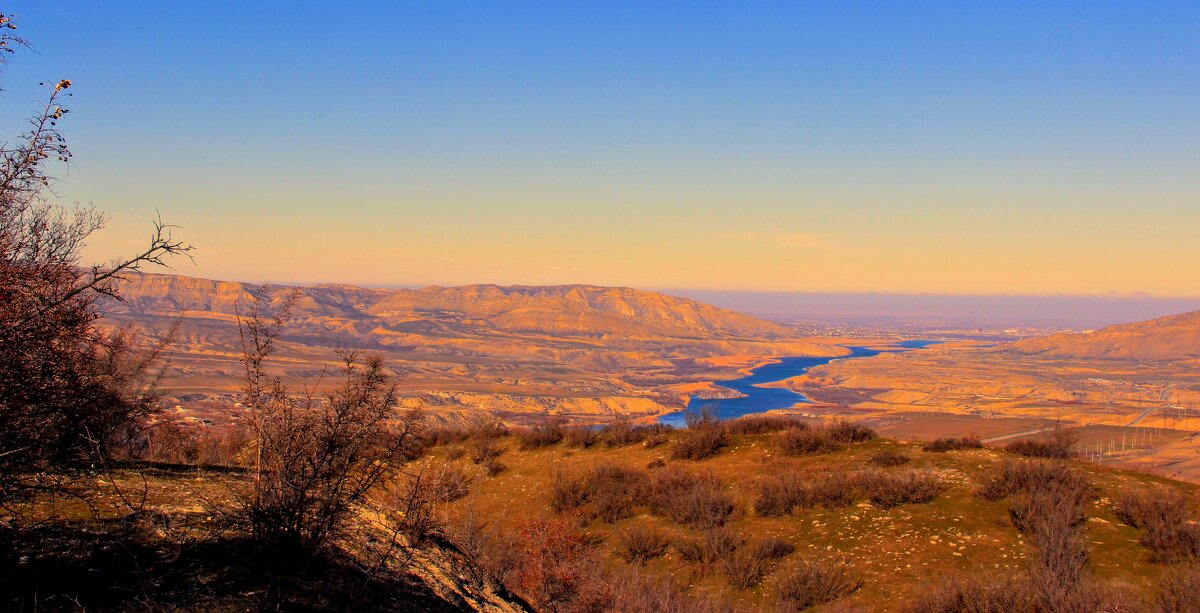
(761, 399)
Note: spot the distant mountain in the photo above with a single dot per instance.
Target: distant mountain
(1173, 337)
(568, 341)
(559, 310)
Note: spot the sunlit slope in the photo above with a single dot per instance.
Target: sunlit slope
(1166, 338)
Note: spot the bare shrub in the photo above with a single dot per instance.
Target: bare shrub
(1060, 445)
(952, 443)
(889, 458)
(581, 437)
(704, 437)
(695, 500)
(548, 431)
(835, 490)
(623, 434)
(710, 548)
(779, 494)
(1161, 515)
(774, 548)
(805, 441)
(630, 591)
(656, 440)
(762, 424)
(613, 491)
(842, 431)
(640, 542)
(567, 493)
(492, 465)
(607, 492)
(787, 491)
(1048, 499)
(1179, 590)
(975, 594)
(70, 390)
(315, 458)
(408, 503)
(1015, 476)
(888, 490)
(814, 582)
(553, 562)
(468, 536)
(750, 563)
(1019, 594)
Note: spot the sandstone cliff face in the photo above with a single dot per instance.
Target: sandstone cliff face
(1175, 337)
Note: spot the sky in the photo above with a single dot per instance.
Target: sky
(1003, 148)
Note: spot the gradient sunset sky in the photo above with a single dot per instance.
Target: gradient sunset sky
(802, 146)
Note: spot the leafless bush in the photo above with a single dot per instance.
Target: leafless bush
(548, 432)
(704, 438)
(774, 548)
(315, 458)
(975, 594)
(607, 492)
(1060, 445)
(553, 563)
(492, 465)
(613, 491)
(952, 443)
(710, 548)
(889, 458)
(175, 443)
(629, 591)
(762, 424)
(696, 500)
(656, 440)
(814, 582)
(835, 490)
(468, 536)
(581, 437)
(409, 502)
(805, 441)
(567, 493)
(1048, 499)
(842, 431)
(782, 493)
(1019, 594)
(750, 563)
(640, 542)
(1016, 476)
(1161, 515)
(622, 433)
(1179, 590)
(887, 490)
(69, 390)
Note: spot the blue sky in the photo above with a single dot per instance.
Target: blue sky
(1013, 147)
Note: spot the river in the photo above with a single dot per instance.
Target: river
(761, 399)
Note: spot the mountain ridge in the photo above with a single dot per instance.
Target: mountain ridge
(1173, 337)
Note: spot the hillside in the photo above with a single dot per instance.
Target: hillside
(611, 347)
(621, 520)
(1174, 337)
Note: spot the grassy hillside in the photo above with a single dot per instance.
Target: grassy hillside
(765, 518)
